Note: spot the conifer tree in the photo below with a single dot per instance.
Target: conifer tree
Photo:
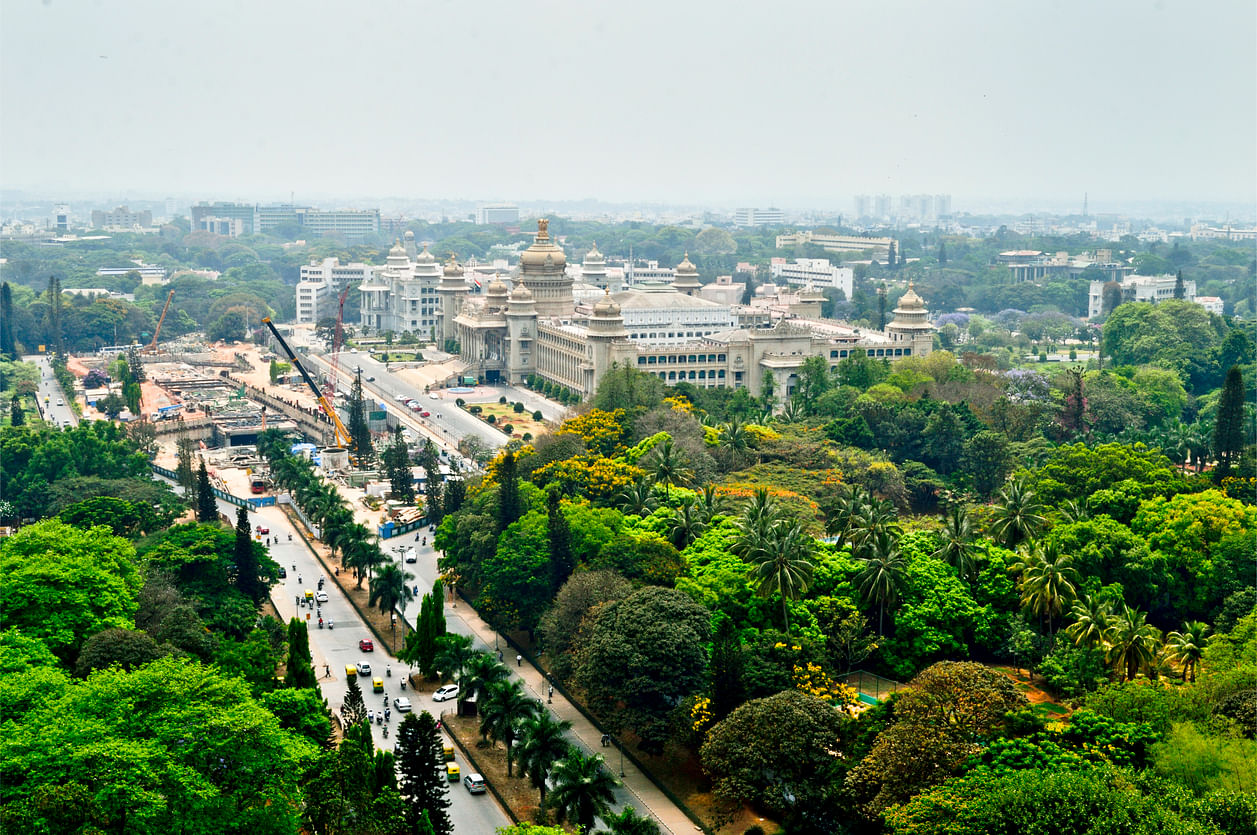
(1180, 290)
(300, 672)
(17, 417)
(508, 491)
(1228, 434)
(245, 559)
(455, 494)
(206, 504)
(728, 689)
(354, 711)
(8, 344)
(184, 474)
(397, 465)
(359, 431)
(419, 759)
(942, 254)
(562, 560)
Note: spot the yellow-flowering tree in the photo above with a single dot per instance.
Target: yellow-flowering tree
(603, 432)
(595, 477)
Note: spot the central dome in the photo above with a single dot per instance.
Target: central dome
(543, 255)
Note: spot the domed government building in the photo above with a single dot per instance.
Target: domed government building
(550, 325)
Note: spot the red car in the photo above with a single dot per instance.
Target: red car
(425, 414)
(366, 646)
(262, 529)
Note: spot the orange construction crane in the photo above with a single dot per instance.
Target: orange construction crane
(342, 434)
(152, 346)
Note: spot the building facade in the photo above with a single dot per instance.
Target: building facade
(321, 284)
(758, 217)
(121, 218)
(836, 243)
(236, 219)
(1139, 288)
(813, 271)
(537, 329)
(402, 295)
(497, 213)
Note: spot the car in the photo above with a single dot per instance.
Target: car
(366, 646)
(363, 668)
(262, 529)
(353, 350)
(401, 398)
(415, 407)
(283, 572)
(402, 704)
(370, 379)
(321, 597)
(425, 413)
(377, 685)
(60, 402)
(433, 396)
(449, 691)
(474, 783)
(411, 556)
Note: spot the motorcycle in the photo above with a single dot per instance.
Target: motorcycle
(403, 685)
(290, 537)
(386, 731)
(330, 625)
(388, 671)
(320, 623)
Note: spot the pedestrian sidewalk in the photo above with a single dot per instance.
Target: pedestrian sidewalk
(647, 798)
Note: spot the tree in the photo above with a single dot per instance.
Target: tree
(388, 588)
(1186, 648)
(125, 648)
(1132, 642)
(986, 461)
(1180, 290)
(16, 416)
(89, 757)
(583, 790)
(184, 474)
(419, 760)
(1091, 621)
(359, 431)
(942, 253)
(1228, 434)
(726, 669)
(958, 549)
(628, 822)
(299, 673)
(62, 584)
(502, 712)
(642, 655)
(667, 467)
(560, 625)
(397, 463)
(882, 574)
(482, 672)
(509, 505)
(775, 752)
(245, 559)
(541, 745)
(1049, 581)
(559, 534)
(452, 656)
(638, 499)
(112, 405)
(303, 712)
(781, 564)
(206, 504)
(1018, 514)
(354, 710)
(8, 344)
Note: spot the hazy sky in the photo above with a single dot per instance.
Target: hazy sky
(783, 103)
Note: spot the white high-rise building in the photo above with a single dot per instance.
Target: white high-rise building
(758, 217)
(502, 213)
(817, 272)
(321, 284)
(402, 295)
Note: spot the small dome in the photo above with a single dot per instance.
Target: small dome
(496, 288)
(594, 254)
(425, 257)
(686, 267)
(606, 307)
(410, 236)
(521, 294)
(543, 254)
(910, 300)
(452, 267)
(397, 249)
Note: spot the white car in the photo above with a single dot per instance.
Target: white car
(321, 597)
(433, 396)
(402, 704)
(411, 556)
(364, 669)
(449, 691)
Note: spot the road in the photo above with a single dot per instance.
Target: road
(335, 648)
(53, 403)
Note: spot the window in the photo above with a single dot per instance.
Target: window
(721, 374)
(737, 376)
(651, 360)
(642, 360)
(720, 357)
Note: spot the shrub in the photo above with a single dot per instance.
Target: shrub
(460, 402)
(475, 410)
(492, 418)
(508, 428)
(537, 416)
(502, 400)
(518, 408)
(527, 437)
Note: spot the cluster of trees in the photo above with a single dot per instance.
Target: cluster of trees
(647, 528)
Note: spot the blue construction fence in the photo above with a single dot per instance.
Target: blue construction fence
(391, 529)
(251, 503)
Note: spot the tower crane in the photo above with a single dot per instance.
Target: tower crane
(341, 433)
(152, 346)
(338, 341)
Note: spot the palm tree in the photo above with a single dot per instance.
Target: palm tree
(388, 591)
(686, 525)
(734, 437)
(1186, 648)
(711, 504)
(781, 565)
(638, 499)
(759, 514)
(1018, 514)
(958, 549)
(1049, 582)
(628, 822)
(884, 572)
(1091, 619)
(668, 467)
(1133, 643)
(873, 517)
(481, 672)
(453, 654)
(1072, 510)
(502, 712)
(790, 412)
(583, 789)
(541, 744)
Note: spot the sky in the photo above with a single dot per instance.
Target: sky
(790, 104)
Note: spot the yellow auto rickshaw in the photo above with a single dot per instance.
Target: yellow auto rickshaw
(309, 595)
(377, 685)
(351, 672)
(451, 772)
(449, 753)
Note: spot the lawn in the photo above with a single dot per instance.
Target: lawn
(504, 413)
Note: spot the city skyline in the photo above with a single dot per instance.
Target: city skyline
(782, 106)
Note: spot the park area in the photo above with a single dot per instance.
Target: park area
(522, 423)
